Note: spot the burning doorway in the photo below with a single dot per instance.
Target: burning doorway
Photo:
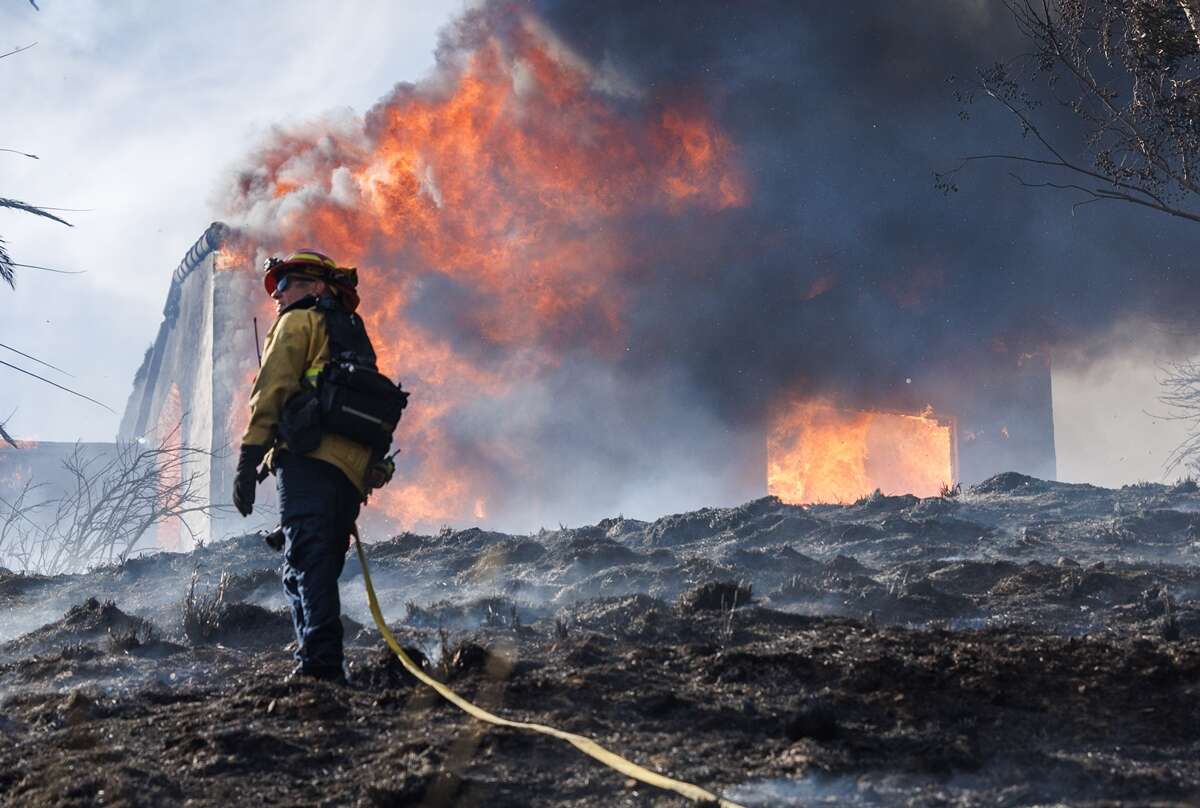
(818, 452)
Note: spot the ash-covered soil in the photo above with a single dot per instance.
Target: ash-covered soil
(1022, 643)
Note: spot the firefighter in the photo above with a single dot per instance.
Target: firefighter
(321, 478)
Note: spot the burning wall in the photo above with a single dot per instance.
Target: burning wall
(817, 452)
(916, 438)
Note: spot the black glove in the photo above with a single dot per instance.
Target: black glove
(380, 473)
(274, 539)
(247, 477)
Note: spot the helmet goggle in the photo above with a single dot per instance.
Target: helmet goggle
(312, 267)
(288, 280)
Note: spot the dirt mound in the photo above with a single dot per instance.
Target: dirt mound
(789, 552)
(89, 621)
(779, 560)
(680, 528)
(812, 718)
(632, 615)
(971, 577)
(1009, 482)
(1187, 485)
(1157, 526)
(382, 670)
(784, 696)
(878, 502)
(16, 584)
(715, 596)
(246, 625)
(587, 554)
(248, 585)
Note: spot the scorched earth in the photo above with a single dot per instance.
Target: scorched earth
(1021, 643)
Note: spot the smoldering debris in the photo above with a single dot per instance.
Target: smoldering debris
(1014, 643)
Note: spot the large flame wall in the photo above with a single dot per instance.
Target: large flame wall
(488, 216)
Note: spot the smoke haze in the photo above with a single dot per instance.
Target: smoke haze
(615, 234)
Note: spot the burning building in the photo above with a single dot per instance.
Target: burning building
(194, 379)
(612, 289)
(617, 278)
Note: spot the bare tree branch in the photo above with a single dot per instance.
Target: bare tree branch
(34, 358)
(107, 513)
(59, 386)
(18, 50)
(17, 204)
(1130, 71)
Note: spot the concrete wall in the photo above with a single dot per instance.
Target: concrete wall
(1006, 422)
(195, 378)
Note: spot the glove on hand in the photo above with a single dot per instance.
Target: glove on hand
(380, 473)
(275, 539)
(247, 477)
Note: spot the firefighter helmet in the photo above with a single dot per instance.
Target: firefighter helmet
(309, 263)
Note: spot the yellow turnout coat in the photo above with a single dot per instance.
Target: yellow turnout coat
(296, 344)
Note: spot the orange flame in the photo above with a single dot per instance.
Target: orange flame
(233, 254)
(819, 453)
(512, 179)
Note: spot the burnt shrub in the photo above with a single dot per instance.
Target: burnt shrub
(202, 612)
(715, 596)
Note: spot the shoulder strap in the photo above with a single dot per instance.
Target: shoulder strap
(348, 337)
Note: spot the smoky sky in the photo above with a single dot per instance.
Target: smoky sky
(841, 114)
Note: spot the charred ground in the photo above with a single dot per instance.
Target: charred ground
(1023, 642)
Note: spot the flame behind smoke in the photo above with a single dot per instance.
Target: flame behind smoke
(487, 211)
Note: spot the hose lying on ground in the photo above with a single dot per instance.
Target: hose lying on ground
(585, 745)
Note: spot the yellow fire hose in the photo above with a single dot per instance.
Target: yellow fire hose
(585, 745)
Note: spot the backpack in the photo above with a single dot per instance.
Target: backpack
(349, 396)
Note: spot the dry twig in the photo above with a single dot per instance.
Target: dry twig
(107, 512)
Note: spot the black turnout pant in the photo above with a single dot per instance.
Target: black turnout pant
(318, 506)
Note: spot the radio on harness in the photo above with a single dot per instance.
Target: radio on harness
(360, 403)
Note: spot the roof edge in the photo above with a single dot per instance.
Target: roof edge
(211, 240)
